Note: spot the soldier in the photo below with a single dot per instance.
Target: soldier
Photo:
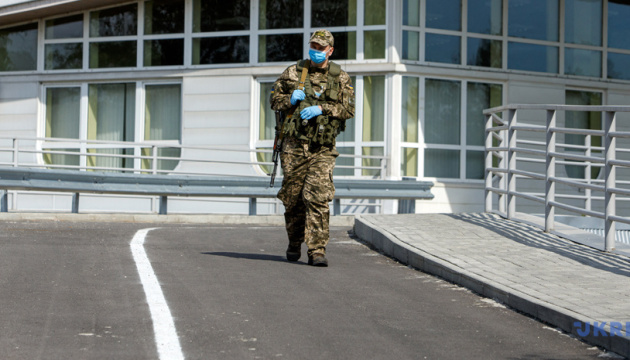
(319, 98)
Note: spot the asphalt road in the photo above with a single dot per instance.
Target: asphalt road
(73, 291)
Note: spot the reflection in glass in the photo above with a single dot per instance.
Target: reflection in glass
(480, 97)
(18, 48)
(533, 19)
(485, 16)
(345, 46)
(618, 66)
(582, 62)
(344, 161)
(409, 162)
(63, 56)
(267, 121)
(163, 17)
(583, 22)
(375, 12)
(618, 15)
(591, 120)
(119, 21)
(409, 120)
(372, 151)
(62, 121)
(348, 134)
(442, 113)
(475, 165)
(221, 50)
(112, 54)
(282, 47)
(443, 48)
(326, 13)
(281, 14)
(220, 15)
(484, 52)
(411, 45)
(411, 12)
(374, 44)
(441, 163)
(65, 28)
(164, 52)
(444, 14)
(162, 120)
(532, 57)
(373, 108)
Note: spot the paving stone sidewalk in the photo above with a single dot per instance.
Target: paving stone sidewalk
(550, 278)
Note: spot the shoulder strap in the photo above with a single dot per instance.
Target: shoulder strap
(334, 69)
(305, 65)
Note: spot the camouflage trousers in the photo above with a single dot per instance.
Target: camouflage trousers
(307, 188)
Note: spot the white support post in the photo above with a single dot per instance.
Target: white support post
(154, 159)
(610, 178)
(16, 147)
(550, 188)
(488, 173)
(511, 199)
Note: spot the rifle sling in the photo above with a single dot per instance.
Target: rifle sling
(307, 64)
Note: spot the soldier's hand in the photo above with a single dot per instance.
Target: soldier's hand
(298, 95)
(310, 112)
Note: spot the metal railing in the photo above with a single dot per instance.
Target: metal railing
(532, 154)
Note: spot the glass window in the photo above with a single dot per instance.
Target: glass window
(442, 117)
(344, 161)
(582, 120)
(411, 47)
(443, 48)
(531, 57)
(411, 12)
(62, 121)
(220, 15)
(533, 19)
(618, 15)
(444, 14)
(112, 54)
(283, 47)
(65, 28)
(372, 151)
(409, 162)
(221, 50)
(583, 22)
(374, 108)
(484, 52)
(375, 12)
(582, 62)
(119, 21)
(267, 123)
(618, 66)
(163, 17)
(326, 13)
(345, 46)
(164, 52)
(18, 48)
(63, 56)
(281, 14)
(111, 116)
(441, 163)
(480, 97)
(485, 16)
(374, 44)
(409, 121)
(162, 120)
(475, 165)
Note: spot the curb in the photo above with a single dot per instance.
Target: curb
(561, 318)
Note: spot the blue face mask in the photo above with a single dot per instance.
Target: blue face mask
(317, 57)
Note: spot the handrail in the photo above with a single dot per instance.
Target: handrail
(501, 146)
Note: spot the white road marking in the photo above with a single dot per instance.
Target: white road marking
(163, 326)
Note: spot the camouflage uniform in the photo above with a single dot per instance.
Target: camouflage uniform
(308, 161)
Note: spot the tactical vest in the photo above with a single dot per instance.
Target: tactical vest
(322, 129)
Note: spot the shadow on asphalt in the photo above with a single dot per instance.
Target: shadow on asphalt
(532, 236)
(236, 255)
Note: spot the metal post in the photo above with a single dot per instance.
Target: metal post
(154, 159)
(4, 201)
(163, 210)
(75, 203)
(488, 173)
(587, 173)
(252, 206)
(550, 187)
(610, 179)
(16, 151)
(336, 206)
(511, 199)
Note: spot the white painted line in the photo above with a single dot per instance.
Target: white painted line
(163, 326)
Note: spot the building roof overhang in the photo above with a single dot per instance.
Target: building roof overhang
(13, 12)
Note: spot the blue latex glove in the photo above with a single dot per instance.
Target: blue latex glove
(297, 95)
(310, 112)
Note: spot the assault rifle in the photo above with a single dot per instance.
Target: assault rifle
(277, 144)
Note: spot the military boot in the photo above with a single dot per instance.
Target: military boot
(294, 251)
(318, 260)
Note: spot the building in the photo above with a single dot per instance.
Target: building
(198, 73)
